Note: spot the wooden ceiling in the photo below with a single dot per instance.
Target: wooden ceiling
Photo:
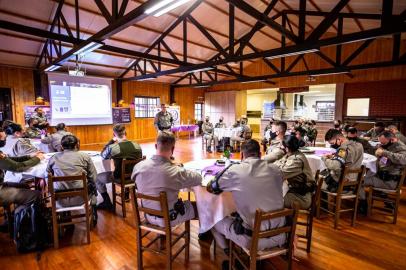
(20, 49)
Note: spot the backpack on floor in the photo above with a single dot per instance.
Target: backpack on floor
(31, 227)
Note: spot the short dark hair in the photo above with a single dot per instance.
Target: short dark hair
(282, 125)
(332, 134)
(313, 122)
(251, 148)
(60, 126)
(69, 142)
(291, 142)
(379, 124)
(347, 127)
(11, 128)
(301, 130)
(166, 140)
(352, 130)
(119, 130)
(387, 134)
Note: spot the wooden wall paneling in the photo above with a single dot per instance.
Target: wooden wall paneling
(186, 99)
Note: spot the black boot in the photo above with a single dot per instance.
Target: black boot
(94, 215)
(208, 149)
(106, 204)
(362, 207)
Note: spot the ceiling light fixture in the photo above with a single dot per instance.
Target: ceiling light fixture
(331, 73)
(251, 81)
(93, 45)
(292, 53)
(146, 79)
(164, 6)
(52, 68)
(201, 69)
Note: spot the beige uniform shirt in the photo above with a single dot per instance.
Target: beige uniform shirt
(160, 174)
(294, 165)
(207, 128)
(163, 121)
(393, 159)
(255, 184)
(17, 147)
(400, 137)
(349, 154)
(54, 140)
(274, 151)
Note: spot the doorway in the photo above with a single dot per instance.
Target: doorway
(6, 112)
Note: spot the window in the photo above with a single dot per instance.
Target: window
(145, 106)
(198, 111)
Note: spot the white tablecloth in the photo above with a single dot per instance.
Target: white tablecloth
(212, 208)
(316, 163)
(374, 143)
(40, 146)
(40, 170)
(226, 132)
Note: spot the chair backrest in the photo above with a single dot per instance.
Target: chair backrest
(68, 193)
(401, 181)
(137, 198)
(356, 185)
(127, 166)
(289, 228)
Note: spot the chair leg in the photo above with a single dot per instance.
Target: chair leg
(318, 207)
(123, 210)
(309, 232)
(231, 256)
(354, 216)
(88, 221)
(337, 211)
(55, 229)
(168, 252)
(395, 214)
(113, 187)
(187, 240)
(139, 249)
(369, 202)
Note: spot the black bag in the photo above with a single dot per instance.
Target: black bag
(32, 227)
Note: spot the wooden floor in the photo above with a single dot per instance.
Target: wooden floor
(371, 244)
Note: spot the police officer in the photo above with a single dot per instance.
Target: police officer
(254, 184)
(72, 162)
(221, 123)
(54, 140)
(349, 153)
(374, 132)
(268, 127)
(397, 133)
(311, 131)
(276, 150)
(244, 133)
(160, 174)
(208, 134)
(296, 170)
(16, 146)
(163, 120)
(40, 116)
(391, 162)
(118, 148)
(352, 134)
(32, 132)
(300, 134)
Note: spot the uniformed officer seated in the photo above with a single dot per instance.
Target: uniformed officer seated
(161, 174)
(254, 184)
(54, 140)
(391, 162)
(208, 134)
(244, 134)
(397, 133)
(32, 132)
(296, 170)
(374, 132)
(221, 143)
(300, 134)
(72, 162)
(275, 150)
(265, 141)
(118, 148)
(16, 146)
(163, 120)
(352, 134)
(40, 116)
(221, 123)
(349, 153)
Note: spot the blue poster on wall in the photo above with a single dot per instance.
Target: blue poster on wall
(268, 108)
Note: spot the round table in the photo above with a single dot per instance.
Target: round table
(226, 132)
(316, 163)
(40, 146)
(40, 170)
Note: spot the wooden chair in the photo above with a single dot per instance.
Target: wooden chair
(85, 208)
(204, 143)
(341, 195)
(386, 196)
(253, 253)
(124, 183)
(6, 214)
(308, 217)
(167, 232)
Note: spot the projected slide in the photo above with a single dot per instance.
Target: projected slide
(80, 101)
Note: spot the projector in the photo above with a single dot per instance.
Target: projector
(77, 73)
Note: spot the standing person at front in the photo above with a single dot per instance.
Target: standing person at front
(72, 162)
(163, 120)
(296, 170)
(160, 174)
(391, 163)
(254, 184)
(208, 134)
(349, 153)
(54, 140)
(118, 148)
